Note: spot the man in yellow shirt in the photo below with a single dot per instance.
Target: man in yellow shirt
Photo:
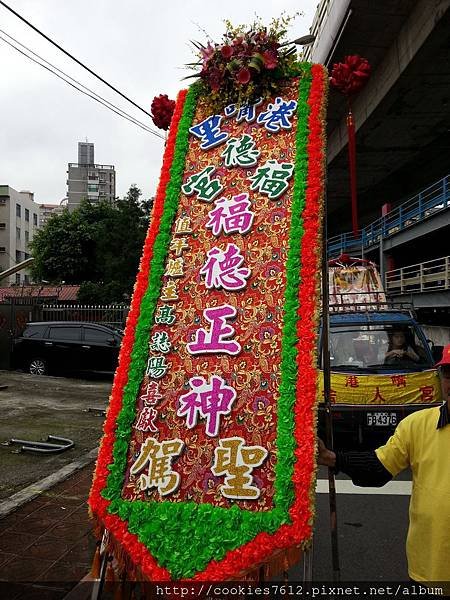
(422, 442)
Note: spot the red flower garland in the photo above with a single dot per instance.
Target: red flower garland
(350, 76)
(137, 551)
(162, 110)
(256, 551)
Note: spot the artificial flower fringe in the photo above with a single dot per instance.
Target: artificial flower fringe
(295, 470)
(98, 505)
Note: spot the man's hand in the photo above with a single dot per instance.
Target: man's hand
(325, 457)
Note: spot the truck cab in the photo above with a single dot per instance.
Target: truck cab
(380, 361)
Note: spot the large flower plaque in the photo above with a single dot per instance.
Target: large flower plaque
(206, 468)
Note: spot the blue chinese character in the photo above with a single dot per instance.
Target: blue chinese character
(209, 132)
(230, 110)
(248, 112)
(277, 115)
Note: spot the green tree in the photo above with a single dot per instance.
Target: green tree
(97, 246)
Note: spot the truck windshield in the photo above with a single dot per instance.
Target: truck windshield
(369, 347)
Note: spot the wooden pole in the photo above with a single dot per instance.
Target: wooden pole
(327, 397)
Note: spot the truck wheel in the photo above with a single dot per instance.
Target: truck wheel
(37, 366)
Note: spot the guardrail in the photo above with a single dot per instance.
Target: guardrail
(429, 276)
(426, 203)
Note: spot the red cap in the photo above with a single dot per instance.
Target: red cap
(445, 360)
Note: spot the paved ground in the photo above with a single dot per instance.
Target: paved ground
(46, 546)
(33, 407)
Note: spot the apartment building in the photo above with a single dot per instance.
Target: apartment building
(49, 210)
(88, 180)
(19, 220)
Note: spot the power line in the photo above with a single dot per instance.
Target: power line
(98, 99)
(73, 57)
(127, 116)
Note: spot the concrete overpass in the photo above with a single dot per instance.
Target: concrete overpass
(402, 115)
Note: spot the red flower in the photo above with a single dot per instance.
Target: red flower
(215, 78)
(227, 52)
(350, 76)
(270, 59)
(244, 75)
(162, 110)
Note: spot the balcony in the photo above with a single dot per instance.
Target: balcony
(103, 167)
(430, 276)
(428, 202)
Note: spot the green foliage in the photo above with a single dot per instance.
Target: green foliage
(97, 246)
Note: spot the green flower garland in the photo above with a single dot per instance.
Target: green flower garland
(185, 536)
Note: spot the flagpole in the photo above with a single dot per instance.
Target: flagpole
(327, 396)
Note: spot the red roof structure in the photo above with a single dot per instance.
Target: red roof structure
(63, 293)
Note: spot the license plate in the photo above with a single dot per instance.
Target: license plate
(381, 419)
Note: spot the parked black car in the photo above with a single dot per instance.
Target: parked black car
(59, 347)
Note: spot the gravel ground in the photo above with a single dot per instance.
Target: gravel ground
(33, 407)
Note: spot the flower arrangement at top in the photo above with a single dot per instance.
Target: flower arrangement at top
(250, 63)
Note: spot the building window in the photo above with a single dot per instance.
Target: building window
(27, 237)
(35, 219)
(2, 225)
(27, 215)
(18, 210)
(26, 279)
(18, 256)
(18, 233)
(2, 249)
(17, 277)
(92, 188)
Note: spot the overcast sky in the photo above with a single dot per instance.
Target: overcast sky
(139, 46)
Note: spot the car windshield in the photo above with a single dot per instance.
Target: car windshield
(380, 347)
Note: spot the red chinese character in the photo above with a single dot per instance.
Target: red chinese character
(333, 396)
(151, 394)
(398, 380)
(146, 419)
(378, 397)
(427, 393)
(352, 381)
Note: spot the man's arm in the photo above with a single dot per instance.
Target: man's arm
(364, 468)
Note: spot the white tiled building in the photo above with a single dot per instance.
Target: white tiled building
(19, 219)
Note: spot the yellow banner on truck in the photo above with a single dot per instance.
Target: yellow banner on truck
(395, 388)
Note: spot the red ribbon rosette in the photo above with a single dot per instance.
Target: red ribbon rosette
(350, 76)
(162, 110)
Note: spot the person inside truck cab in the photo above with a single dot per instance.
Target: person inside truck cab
(399, 350)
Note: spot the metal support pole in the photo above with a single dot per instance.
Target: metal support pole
(327, 398)
(308, 562)
(382, 262)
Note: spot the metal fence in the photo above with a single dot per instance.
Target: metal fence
(114, 315)
(433, 275)
(428, 202)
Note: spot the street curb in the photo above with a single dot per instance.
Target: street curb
(36, 489)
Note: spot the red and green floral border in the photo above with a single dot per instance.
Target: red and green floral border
(290, 523)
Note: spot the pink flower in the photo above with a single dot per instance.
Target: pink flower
(207, 53)
(227, 52)
(244, 75)
(270, 59)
